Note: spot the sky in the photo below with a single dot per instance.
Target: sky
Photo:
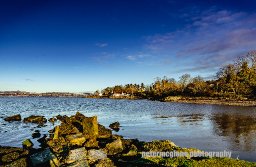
(79, 46)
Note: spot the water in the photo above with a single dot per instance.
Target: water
(206, 127)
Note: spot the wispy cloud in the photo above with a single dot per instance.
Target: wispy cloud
(210, 39)
(101, 45)
(131, 58)
(138, 57)
(103, 57)
(29, 80)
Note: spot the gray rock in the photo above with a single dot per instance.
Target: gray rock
(44, 158)
(77, 155)
(95, 155)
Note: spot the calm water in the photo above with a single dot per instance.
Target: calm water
(207, 127)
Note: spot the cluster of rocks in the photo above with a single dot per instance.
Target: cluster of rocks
(31, 119)
(80, 141)
(77, 141)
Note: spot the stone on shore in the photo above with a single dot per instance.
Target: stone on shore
(160, 145)
(76, 130)
(80, 141)
(52, 120)
(36, 134)
(44, 158)
(27, 144)
(88, 125)
(77, 158)
(13, 118)
(76, 155)
(35, 119)
(22, 162)
(133, 151)
(59, 145)
(91, 143)
(114, 148)
(115, 126)
(76, 139)
(13, 156)
(95, 155)
(43, 141)
(104, 132)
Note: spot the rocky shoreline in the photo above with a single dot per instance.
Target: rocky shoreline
(194, 100)
(81, 141)
(197, 100)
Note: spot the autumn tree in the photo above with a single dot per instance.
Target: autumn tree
(184, 81)
(197, 87)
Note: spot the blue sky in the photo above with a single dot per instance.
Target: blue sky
(77, 46)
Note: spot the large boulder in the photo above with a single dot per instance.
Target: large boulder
(35, 119)
(76, 139)
(95, 155)
(104, 132)
(13, 118)
(66, 129)
(91, 143)
(132, 151)
(44, 158)
(13, 156)
(77, 157)
(76, 130)
(58, 146)
(87, 125)
(78, 123)
(114, 147)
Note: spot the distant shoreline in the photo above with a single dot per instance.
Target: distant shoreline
(174, 99)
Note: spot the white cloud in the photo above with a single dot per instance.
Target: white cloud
(132, 58)
(211, 39)
(101, 45)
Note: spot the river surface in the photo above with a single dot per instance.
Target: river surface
(206, 127)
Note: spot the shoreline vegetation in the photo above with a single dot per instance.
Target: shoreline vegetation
(234, 84)
(81, 141)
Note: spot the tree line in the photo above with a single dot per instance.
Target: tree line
(234, 81)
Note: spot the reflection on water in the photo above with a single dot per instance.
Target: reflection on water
(240, 130)
(196, 118)
(207, 127)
